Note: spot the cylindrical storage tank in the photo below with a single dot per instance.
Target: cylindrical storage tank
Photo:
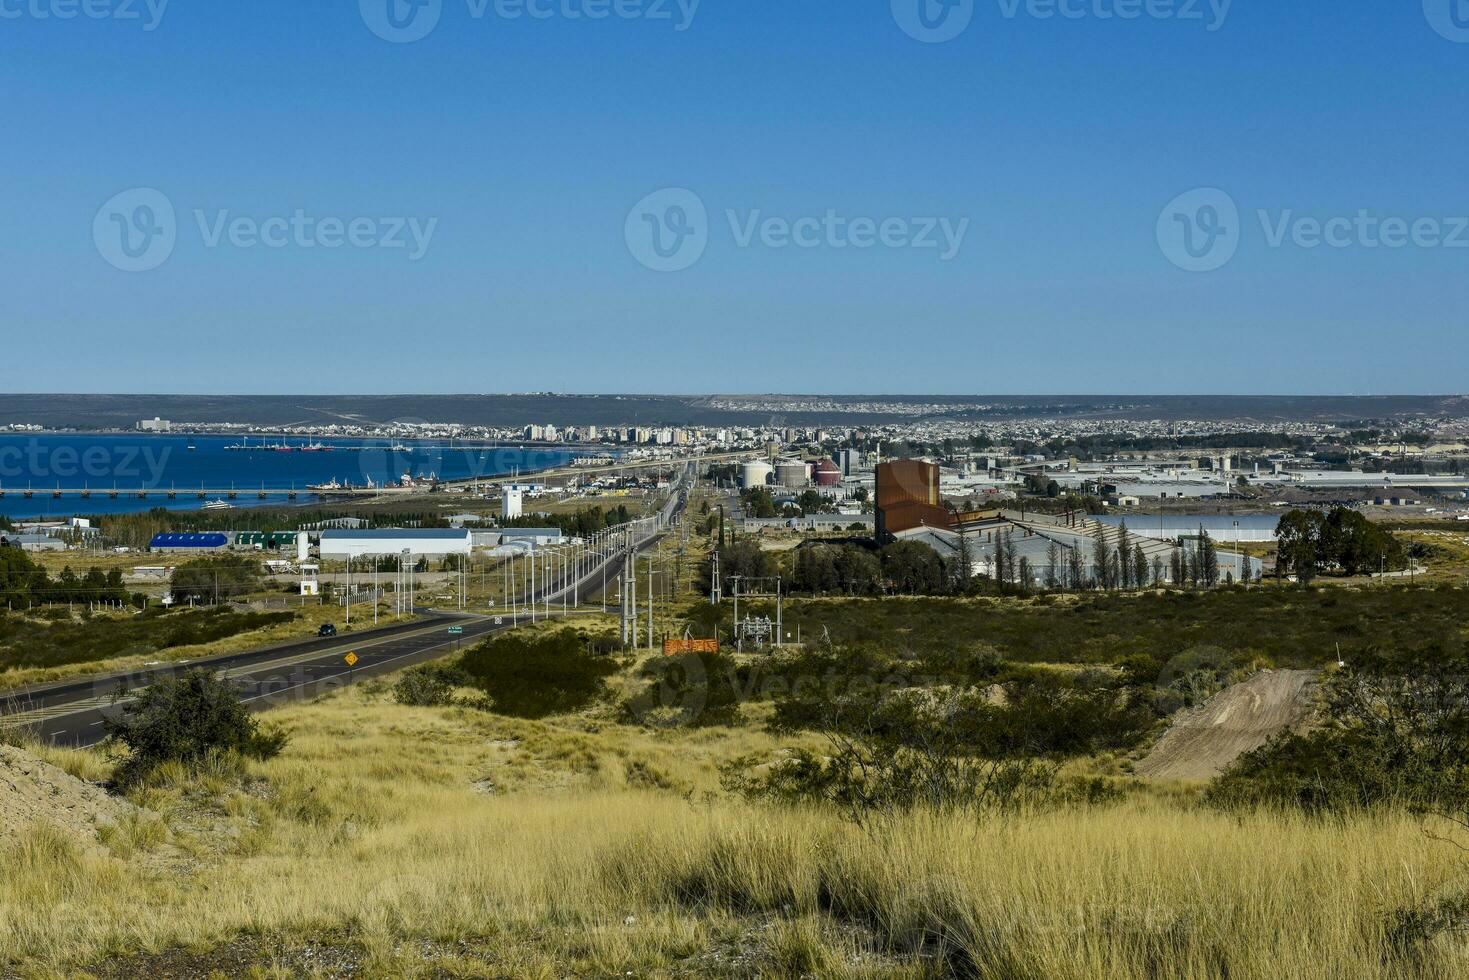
(791, 473)
(827, 474)
(303, 546)
(755, 473)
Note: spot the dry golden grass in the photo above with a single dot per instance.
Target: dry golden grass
(578, 847)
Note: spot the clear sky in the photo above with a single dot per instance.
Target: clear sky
(995, 212)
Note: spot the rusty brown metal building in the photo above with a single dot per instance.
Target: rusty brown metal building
(908, 497)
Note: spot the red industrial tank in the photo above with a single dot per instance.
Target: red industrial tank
(827, 474)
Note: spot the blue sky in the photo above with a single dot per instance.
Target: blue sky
(530, 154)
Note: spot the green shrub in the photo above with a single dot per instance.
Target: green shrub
(185, 719)
(537, 676)
(688, 689)
(429, 686)
(1296, 627)
(24, 642)
(1005, 710)
(893, 754)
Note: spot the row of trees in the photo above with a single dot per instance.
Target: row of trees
(1312, 542)
(903, 568)
(24, 583)
(1122, 564)
(760, 502)
(581, 524)
(215, 578)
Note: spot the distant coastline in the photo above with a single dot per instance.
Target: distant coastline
(81, 413)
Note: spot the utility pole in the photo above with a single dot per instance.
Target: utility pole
(630, 597)
(779, 636)
(631, 571)
(650, 601)
(736, 580)
(407, 559)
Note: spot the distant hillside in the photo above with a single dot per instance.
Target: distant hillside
(123, 411)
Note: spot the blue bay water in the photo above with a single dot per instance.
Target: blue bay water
(129, 463)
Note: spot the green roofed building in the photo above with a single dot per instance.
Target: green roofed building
(271, 540)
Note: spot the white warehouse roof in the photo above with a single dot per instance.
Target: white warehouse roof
(394, 541)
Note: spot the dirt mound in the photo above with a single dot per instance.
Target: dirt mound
(1204, 740)
(32, 791)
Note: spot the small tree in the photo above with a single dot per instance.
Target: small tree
(215, 578)
(429, 685)
(1101, 558)
(183, 719)
(1074, 571)
(1124, 554)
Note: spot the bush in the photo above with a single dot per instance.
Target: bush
(25, 642)
(537, 676)
(907, 751)
(429, 686)
(184, 719)
(689, 689)
(1007, 710)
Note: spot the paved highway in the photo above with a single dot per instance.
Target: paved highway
(73, 713)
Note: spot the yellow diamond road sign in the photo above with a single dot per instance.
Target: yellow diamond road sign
(351, 659)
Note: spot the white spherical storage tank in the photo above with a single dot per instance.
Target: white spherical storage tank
(755, 473)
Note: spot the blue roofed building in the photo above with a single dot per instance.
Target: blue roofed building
(203, 542)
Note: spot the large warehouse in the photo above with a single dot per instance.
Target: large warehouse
(197, 543)
(419, 542)
(1069, 540)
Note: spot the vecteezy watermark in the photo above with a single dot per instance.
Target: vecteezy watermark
(936, 21)
(98, 465)
(148, 13)
(421, 460)
(406, 21)
(1201, 231)
(668, 231)
(933, 21)
(1450, 18)
(301, 230)
(137, 230)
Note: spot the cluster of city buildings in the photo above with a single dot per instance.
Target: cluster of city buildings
(1036, 550)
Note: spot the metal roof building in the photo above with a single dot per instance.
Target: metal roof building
(418, 542)
(265, 539)
(211, 541)
(32, 542)
(1033, 538)
(1223, 528)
